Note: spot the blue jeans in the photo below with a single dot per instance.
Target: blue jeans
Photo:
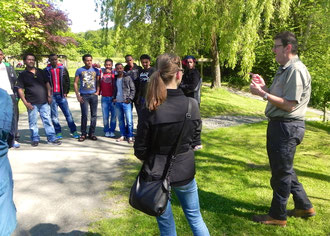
(107, 108)
(91, 100)
(124, 112)
(44, 111)
(60, 101)
(7, 206)
(188, 197)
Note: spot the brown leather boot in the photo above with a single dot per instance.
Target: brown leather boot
(267, 220)
(302, 213)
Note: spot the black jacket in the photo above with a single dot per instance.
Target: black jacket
(157, 135)
(128, 88)
(64, 78)
(191, 83)
(134, 74)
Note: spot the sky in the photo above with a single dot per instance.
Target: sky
(81, 13)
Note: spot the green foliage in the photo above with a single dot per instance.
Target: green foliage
(314, 36)
(13, 18)
(95, 43)
(189, 27)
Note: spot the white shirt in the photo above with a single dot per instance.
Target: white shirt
(4, 79)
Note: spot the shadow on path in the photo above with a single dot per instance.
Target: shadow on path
(52, 230)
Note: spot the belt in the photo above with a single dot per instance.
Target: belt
(281, 119)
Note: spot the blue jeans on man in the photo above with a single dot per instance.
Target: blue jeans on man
(188, 197)
(44, 111)
(90, 100)
(59, 101)
(108, 108)
(125, 119)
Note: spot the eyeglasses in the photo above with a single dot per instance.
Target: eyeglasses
(276, 46)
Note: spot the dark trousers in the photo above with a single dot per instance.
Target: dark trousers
(282, 139)
(91, 100)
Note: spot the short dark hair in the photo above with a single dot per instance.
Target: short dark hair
(28, 54)
(286, 38)
(145, 56)
(86, 55)
(128, 55)
(52, 55)
(117, 64)
(106, 60)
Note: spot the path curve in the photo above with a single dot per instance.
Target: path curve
(60, 189)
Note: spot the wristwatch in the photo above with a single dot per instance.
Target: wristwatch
(265, 96)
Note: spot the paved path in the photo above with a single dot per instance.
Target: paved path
(59, 190)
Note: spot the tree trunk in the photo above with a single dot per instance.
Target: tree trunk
(216, 82)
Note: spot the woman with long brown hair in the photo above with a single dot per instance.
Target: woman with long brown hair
(157, 134)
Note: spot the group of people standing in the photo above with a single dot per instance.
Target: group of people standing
(162, 108)
(43, 91)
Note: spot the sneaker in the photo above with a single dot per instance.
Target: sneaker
(75, 135)
(112, 135)
(130, 140)
(16, 144)
(107, 134)
(122, 138)
(302, 213)
(59, 136)
(55, 142)
(267, 220)
(34, 143)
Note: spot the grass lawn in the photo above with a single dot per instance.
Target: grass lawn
(233, 178)
(217, 102)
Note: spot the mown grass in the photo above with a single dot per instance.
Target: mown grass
(233, 178)
(217, 102)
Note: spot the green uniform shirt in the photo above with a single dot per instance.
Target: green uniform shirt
(292, 82)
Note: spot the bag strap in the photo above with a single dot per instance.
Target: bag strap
(173, 156)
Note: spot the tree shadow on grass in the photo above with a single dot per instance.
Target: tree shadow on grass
(319, 125)
(213, 202)
(52, 230)
(313, 175)
(210, 158)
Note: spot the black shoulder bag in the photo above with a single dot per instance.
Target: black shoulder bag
(151, 197)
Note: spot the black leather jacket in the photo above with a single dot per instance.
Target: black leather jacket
(157, 135)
